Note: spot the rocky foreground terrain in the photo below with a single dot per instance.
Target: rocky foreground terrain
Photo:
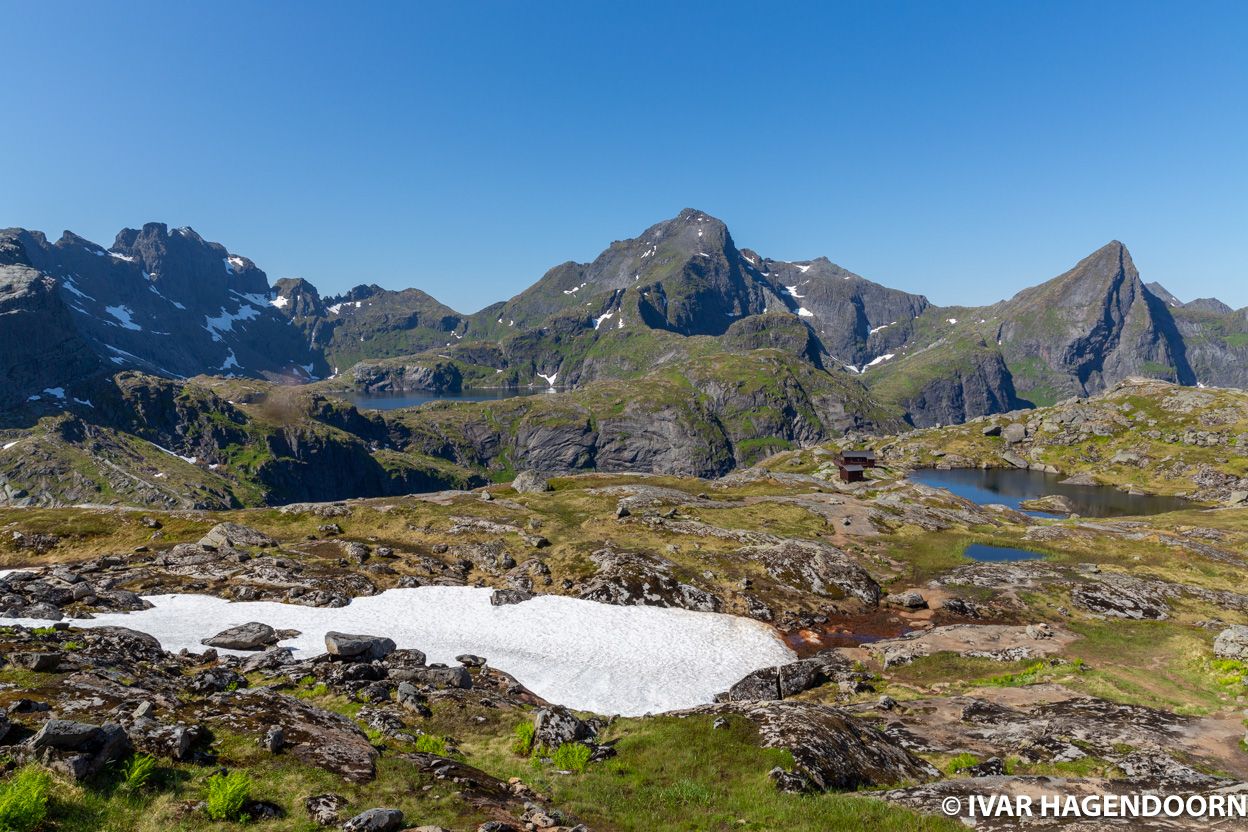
(1114, 662)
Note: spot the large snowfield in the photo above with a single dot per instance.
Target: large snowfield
(582, 654)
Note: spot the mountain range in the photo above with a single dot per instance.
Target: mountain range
(168, 302)
(167, 370)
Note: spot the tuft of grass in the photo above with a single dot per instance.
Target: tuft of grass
(137, 771)
(431, 744)
(1029, 676)
(571, 756)
(687, 793)
(522, 740)
(227, 795)
(24, 799)
(959, 762)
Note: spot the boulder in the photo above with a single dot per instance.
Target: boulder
(530, 482)
(66, 735)
(503, 597)
(38, 662)
(233, 535)
(910, 599)
(375, 820)
(434, 677)
(323, 809)
(270, 659)
(250, 636)
(1014, 433)
(362, 648)
(76, 749)
(555, 725)
(1232, 643)
(771, 683)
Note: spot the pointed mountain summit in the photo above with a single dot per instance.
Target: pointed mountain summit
(687, 271)
(1087, 329)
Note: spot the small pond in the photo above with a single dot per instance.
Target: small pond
(582, 654)
(999, 554)
(413, 398)
(1011, 486)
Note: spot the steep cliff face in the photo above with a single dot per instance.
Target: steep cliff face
(1088, 329)
(164, 301)
(40, 349)
(955, 377)
(700, 417)
(1216, 342)
(854, 319)
(981, 386)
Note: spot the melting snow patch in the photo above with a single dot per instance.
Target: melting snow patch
(55, 392)
(792, 290)
(124, 316)
(157, 293)
(8, 445)
(230, 362)
(280, 302)
(550, 379)
(804, 312)
(878, 360)
(582, 654)
(605, 316)
(225, 321)
(191, 459)
(574, 289)
(951, 320)
(72, 288)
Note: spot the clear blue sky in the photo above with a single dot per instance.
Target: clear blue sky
(962, 150)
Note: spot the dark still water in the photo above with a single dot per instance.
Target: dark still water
(412, 398)
(1010, 486)
(998, 554)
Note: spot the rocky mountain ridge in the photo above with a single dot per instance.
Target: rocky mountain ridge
(166, 301)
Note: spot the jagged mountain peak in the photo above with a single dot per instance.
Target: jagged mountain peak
(1163, 294)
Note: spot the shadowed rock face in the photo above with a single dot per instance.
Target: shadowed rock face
(40, 347)
(160, 300)
(1091, 327)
